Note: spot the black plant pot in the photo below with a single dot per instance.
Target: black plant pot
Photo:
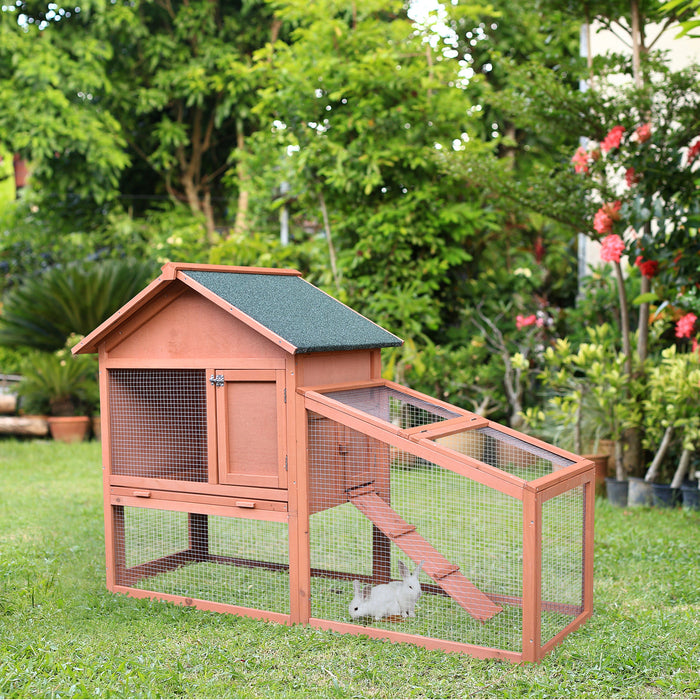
(617, 492)
(639, 493)
(664, 496)
(691, 495)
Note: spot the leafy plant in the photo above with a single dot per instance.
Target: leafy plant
(74, 298)
(58, 383)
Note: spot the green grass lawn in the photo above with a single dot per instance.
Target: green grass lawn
(63, 635)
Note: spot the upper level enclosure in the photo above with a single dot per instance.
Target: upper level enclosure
(257, 463)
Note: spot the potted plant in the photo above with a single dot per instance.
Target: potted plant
(590, 393)
(672, 418)
(59, 385)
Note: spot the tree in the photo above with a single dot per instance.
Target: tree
(138, 100)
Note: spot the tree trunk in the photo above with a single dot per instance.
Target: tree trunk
(655, 466)
(241, 224)
(637, 44)
(682, 469)
(329, 240)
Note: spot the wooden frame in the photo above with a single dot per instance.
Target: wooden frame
(262, 387)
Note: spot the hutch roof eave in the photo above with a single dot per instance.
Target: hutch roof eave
(275, 302)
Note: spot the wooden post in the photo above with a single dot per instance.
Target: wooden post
(532, 575)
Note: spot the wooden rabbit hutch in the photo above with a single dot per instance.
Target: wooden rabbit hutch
(256, 463)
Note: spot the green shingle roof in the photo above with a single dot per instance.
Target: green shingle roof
(295, 310)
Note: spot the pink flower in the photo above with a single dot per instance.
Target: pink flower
(613, 139)
(643, 132)
(580, 160)
(693, 151)
(685, 324)
(631, 177)
(606, 216)
(523, 321)
(612, 248)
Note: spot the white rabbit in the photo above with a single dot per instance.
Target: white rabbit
(395, 598)
(410, 589)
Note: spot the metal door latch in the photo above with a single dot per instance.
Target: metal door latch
(217, 380)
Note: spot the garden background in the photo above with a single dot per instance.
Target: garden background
(439, 173)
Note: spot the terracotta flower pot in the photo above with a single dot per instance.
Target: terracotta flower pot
(69, 428)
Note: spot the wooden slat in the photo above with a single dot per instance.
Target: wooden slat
(443, 572)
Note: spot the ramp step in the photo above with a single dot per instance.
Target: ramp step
(443, 572)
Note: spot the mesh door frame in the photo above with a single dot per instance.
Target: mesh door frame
(115, 537)
(533, 494)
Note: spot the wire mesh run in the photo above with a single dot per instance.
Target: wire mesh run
(158, 423)
(393, 406)
(375, 506)
(562, 561)
(203, 557)
(506, 452)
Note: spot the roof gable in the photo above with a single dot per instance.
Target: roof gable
(276, 303)
(296, 311)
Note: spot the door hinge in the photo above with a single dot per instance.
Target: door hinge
(285, 394)
(216, 380)
(285, 463)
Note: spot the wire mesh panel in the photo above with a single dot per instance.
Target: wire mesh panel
(393, 406)
(158, 423)
(468, 536)
(213, 558)
(506, 452)
(562, 561)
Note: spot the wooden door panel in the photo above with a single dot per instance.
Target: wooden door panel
(251, 428)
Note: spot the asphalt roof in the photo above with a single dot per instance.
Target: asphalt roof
(295, 310)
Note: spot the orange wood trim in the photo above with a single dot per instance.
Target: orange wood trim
(300, 547)
(588, 545)
(171, 269)
(280, 618)
(229, 511)
(212, 428)
(186, 487)
(445, 457)
(340, 386)
(563, 480)
(194, 363)
(532, 576)
(417, 640)
(447, 427)
(178, 486)
(201, 499)
(375, 362)
(237, 313)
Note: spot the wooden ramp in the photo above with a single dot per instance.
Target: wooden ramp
(406, 537)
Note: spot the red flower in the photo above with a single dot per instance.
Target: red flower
(684, 325)
(693, 151)
(580, 160)
(648, 268)
(643, 132)
(631, 177)
(613, 139)
(612, 248)
(606, 216)
(523, 321)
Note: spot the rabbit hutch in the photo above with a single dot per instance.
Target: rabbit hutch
(255, 462)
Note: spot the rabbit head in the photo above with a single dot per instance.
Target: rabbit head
(410, 589)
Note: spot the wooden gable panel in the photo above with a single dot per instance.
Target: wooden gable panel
(186, 326)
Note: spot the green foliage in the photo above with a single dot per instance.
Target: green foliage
(58, 383)
(73, 298)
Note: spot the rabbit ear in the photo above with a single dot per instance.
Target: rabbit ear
(403, 569)
(367, 592)
(357, 587)
(419, 567)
